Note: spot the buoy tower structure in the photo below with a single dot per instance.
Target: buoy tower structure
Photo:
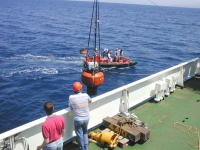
(92, 74)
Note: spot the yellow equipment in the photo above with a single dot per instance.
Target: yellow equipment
(106, 138)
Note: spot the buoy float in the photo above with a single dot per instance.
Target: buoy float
(92, 79)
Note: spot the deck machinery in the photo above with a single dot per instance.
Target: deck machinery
(122, 128)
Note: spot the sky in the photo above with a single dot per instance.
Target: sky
(175, 3)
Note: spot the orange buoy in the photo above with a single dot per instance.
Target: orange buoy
(92, 81)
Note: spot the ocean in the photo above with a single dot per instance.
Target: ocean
(40, 42)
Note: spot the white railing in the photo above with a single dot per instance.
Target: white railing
(102, 106)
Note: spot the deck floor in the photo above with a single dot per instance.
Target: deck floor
(182, 106)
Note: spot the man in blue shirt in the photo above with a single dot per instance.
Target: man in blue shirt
(78, 102)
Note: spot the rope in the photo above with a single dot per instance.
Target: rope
(184, 22)
(193, 130)
(90, 141)
(130, 74)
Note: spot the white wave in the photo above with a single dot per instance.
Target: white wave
(30, 56)
(43, 58)
(71, 69)
(33, 56)
(49, 71)
(31, 70)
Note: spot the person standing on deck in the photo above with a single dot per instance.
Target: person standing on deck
(52, 129)
(78, 102)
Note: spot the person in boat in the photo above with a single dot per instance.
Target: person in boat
(109, 56)
(116, 52)
(105, 53)
(96, 51)
(83, 51)
(116, 55)
(78, 102)
(52, 129)
(121, 52)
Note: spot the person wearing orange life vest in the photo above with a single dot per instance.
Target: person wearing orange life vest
(78, 102)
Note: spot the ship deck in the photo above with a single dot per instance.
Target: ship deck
(182, 106)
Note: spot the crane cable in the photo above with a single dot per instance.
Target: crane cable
(193, 130)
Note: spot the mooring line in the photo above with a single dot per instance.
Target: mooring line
(129, 74)
(170, 14)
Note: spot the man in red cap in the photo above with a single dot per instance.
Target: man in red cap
(78, 102)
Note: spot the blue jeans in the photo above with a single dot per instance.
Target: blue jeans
(81, 133)
(56, 145)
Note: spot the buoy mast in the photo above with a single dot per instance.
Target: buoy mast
(92, 75)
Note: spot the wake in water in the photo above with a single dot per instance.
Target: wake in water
(33, 65)
(29, 70)
(40, 57)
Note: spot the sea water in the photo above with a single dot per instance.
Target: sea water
(40, 42)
